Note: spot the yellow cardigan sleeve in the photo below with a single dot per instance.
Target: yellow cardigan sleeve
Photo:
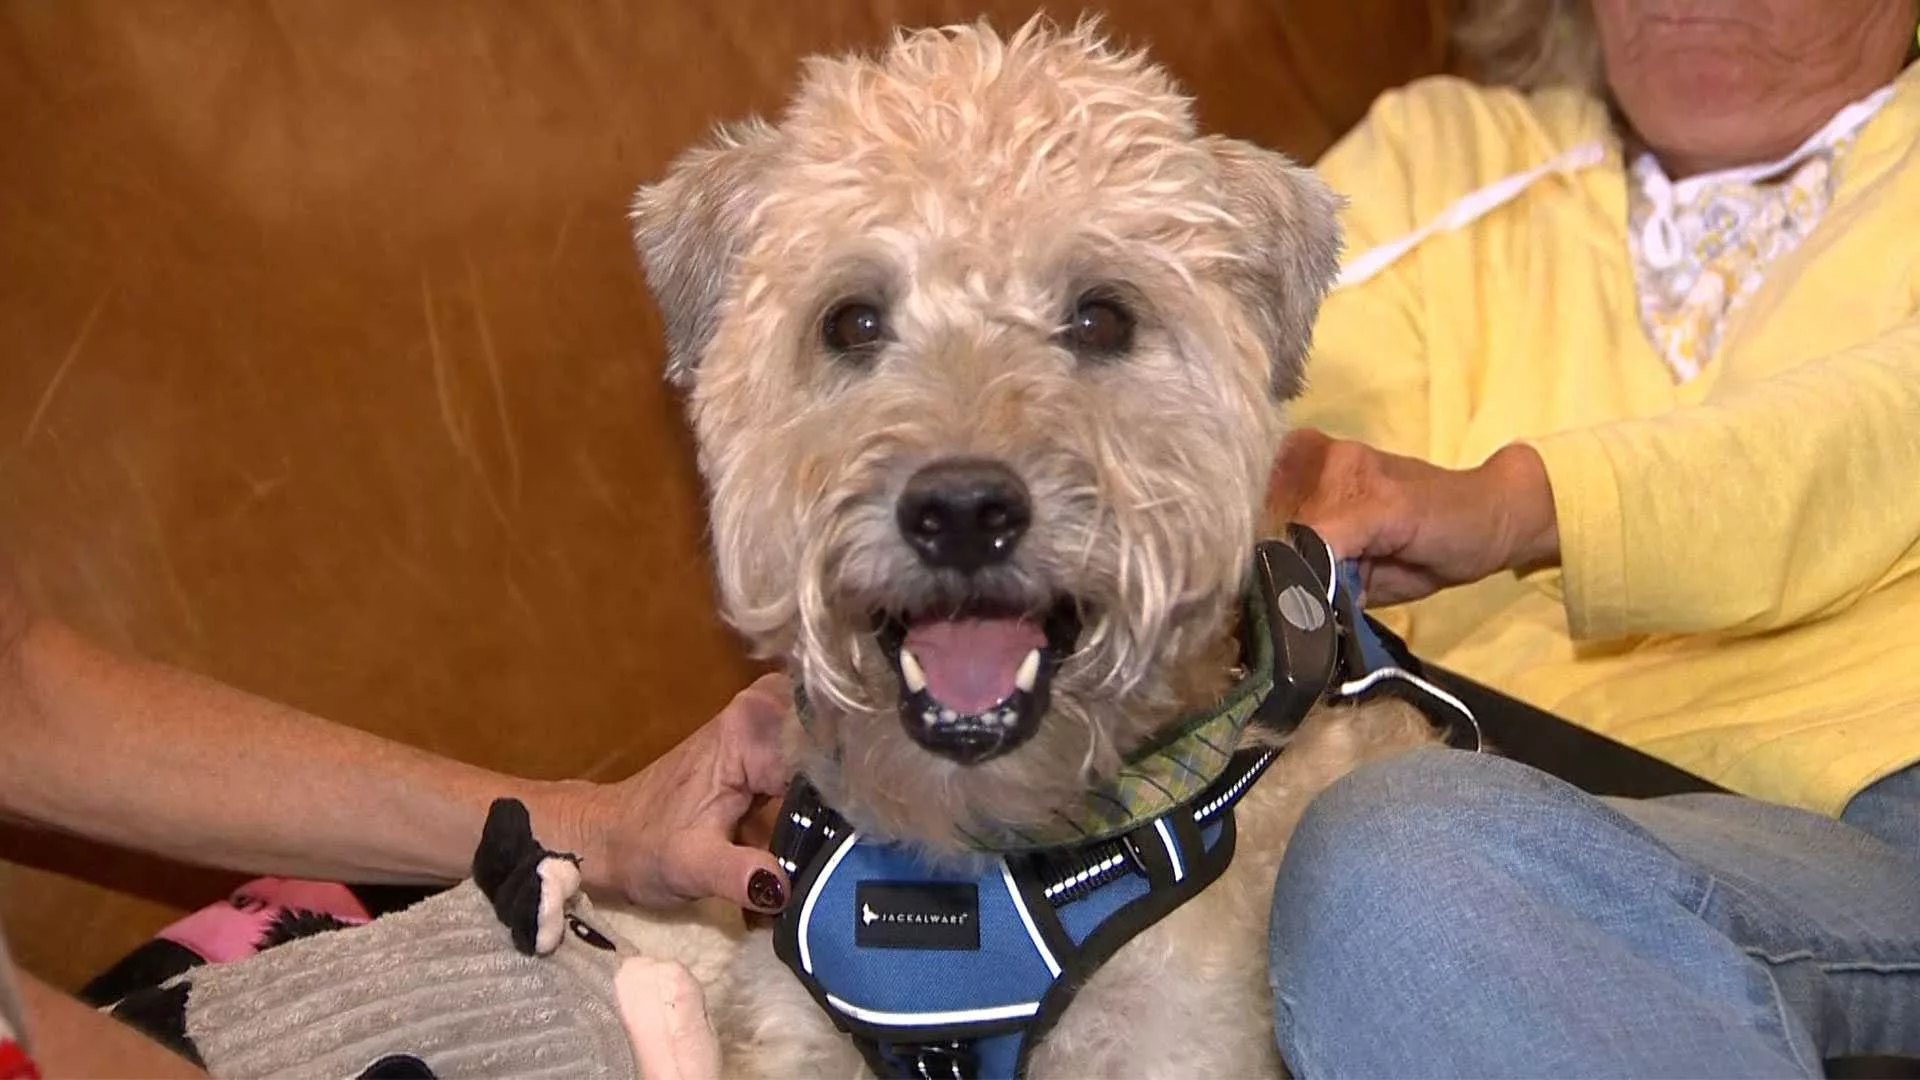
(1367, 368)
(1778, 503)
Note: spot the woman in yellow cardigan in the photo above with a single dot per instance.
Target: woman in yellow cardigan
(1618, 402)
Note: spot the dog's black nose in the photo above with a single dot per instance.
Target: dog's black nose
(964, 513)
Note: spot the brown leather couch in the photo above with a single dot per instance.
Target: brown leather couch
(326, 369)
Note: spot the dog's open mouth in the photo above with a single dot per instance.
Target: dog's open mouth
(974, 681)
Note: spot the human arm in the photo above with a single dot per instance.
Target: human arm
(146, 756)
(1771, 504)
(1774, 503)
(70, 1039)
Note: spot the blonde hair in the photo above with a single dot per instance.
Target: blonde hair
(1532, 44)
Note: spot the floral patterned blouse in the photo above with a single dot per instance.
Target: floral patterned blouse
(1701, 246)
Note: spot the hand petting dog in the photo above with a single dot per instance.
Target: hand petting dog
(683, 829)
(1417, 528)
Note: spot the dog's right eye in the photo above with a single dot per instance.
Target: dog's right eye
(1101, 326)
(853, 327)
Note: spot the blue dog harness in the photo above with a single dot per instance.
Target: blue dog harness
(957, 973)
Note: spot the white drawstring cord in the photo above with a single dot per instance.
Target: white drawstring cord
(1661, 241)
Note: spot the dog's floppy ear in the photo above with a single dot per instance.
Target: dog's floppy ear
(689, 228)
(1289, 249)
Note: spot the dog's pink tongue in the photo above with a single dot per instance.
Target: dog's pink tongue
(971, 664)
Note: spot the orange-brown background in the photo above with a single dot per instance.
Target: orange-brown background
(326, 369)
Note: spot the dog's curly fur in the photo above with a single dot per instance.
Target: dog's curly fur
(974, 188)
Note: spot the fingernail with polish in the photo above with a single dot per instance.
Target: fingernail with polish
(765, 892)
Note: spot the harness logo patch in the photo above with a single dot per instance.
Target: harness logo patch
(917, 915)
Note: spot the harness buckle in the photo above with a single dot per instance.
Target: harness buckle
(945, 1061)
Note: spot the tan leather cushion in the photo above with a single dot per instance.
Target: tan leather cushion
(328, 371)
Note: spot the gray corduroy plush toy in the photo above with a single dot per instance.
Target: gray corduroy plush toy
(507, 974)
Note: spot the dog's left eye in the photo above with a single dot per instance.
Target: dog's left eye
(1101, 326)
(853, 327)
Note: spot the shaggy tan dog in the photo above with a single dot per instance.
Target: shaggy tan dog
(986, 350)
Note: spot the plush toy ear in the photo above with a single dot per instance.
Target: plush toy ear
(528, 885)
(691, 227)
(1290, 249)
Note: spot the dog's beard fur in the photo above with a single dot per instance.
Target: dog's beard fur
(974, 190)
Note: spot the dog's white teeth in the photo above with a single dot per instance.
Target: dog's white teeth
(911, 672)
(1029, 671)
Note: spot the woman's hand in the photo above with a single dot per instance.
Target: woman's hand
(669, 834)
(1417, 528)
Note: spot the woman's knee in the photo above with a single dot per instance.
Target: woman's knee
(1398, 849)
(1404, 813)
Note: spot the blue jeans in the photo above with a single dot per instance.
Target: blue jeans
(1450, 914)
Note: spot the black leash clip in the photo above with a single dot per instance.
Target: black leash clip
(1297, 601)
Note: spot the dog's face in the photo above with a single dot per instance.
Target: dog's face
(985, 349)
